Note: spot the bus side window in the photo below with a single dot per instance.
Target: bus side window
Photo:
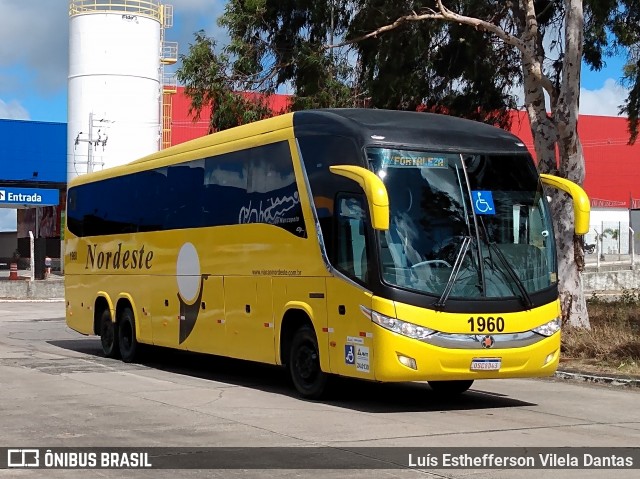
(352, 251)
(186, 185)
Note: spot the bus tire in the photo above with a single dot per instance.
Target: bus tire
(450, 388)
(127, 336)
(304, 364)
(109, 336)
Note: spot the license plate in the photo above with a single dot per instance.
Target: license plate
(486, 364)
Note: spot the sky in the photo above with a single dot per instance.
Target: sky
(34, 62)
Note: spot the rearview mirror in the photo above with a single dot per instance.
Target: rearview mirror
(581, 205)
(374, 189)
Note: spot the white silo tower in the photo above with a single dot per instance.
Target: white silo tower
(116, 57)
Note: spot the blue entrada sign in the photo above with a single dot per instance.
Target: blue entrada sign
(28, 196)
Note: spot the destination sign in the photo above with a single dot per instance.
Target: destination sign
(401, 161)
(29, 196)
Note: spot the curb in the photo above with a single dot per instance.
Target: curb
(592, 378)
(32, 300)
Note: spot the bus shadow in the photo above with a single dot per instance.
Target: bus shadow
(362, 396)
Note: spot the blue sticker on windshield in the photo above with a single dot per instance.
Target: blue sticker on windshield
(483, 203)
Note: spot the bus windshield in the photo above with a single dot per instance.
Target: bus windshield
(464, 225)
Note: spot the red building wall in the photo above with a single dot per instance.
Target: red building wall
(184, 128)
(612, 166)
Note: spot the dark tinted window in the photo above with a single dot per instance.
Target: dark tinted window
(352, 256)
(318, 153)
(435, 202)
(271, 194)
(251, 186)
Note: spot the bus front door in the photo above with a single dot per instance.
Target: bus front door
(351, 335)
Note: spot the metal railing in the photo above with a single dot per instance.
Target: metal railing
(167, 16)
(147, 8)
(169, 53)
(169, 83)
(612, 237)
(612, 245)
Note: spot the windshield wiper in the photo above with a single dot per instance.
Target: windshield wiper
(512, 274)
(454, 272)
(509, 269)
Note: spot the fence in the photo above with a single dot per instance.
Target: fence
(611, 244)
(611, 238)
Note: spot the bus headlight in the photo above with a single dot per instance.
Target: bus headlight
(398, 326)
(548, 329)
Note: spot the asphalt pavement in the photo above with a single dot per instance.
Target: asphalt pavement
(57, 390)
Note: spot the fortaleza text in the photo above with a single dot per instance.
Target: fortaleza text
(121, 258)
(539, 461)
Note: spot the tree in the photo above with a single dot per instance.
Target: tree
(284, 42)
(278, 43)
(211, 84)
(434, 66)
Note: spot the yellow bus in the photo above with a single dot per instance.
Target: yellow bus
(372, 244)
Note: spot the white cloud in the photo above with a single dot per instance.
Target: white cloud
(35, 35)
(605, 102)
(13, 110)
(34, 45)
(197, 15)
(7, 220)
(191, 16)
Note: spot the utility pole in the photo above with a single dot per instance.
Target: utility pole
(91, 143)
(90, 147)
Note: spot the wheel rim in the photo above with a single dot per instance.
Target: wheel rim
(126, 336)
(107, 335)
(306, 363)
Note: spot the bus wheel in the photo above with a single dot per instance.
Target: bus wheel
(109, 335)
(450, 388)
(304, 364)
(127, 336)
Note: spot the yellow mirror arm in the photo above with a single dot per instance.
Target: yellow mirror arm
(375, 190)
(581, 204)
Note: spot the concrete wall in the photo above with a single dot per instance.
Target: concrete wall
(22, 289)
(610, 281)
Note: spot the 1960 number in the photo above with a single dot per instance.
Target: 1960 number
(489, 325)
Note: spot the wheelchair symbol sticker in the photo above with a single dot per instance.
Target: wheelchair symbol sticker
(483, 203)
(349, 354)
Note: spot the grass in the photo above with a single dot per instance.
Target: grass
(612, 345)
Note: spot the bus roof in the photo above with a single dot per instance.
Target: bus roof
(426, 130)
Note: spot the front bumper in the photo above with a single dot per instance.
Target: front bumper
(435, 363)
